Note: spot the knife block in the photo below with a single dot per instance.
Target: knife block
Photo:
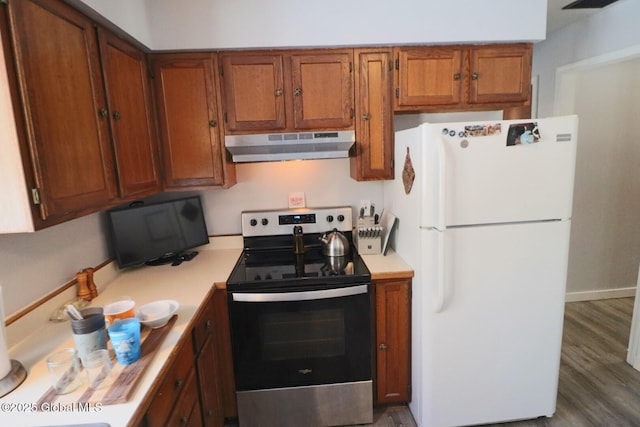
(368, 236)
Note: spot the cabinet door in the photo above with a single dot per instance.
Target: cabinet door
(60, 85)
(500, 74)
(374, 115)
(428, 76)
(132, 120)
(393, 314)
(186, 104)
(208, 373)
(253, 92)
(322, 90)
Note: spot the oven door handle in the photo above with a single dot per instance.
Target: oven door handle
(301, 296)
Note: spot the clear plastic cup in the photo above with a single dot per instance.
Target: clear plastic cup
(64, 369)
(98, 366)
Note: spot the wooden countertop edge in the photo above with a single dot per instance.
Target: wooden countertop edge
(408, 274)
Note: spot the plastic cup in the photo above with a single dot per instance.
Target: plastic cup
(97, 364)
(125, 338)
(121, 308)
(89, 333)
(64, 369)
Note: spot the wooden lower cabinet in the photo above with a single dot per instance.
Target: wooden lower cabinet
(393, 340)
(176, 389)
(191, 391)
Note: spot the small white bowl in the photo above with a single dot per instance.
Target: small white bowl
(156, 314)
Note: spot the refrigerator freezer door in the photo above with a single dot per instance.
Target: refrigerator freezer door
(482, 180)
(492, 353)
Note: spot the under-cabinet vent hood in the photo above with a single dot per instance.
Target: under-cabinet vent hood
(289, 146)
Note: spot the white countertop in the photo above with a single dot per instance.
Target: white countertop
(188, 284)
(32, 338)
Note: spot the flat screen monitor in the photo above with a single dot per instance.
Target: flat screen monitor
(158, 232)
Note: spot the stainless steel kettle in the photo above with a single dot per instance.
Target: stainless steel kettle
(335, 243)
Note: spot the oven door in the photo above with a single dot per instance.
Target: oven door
(289, 339)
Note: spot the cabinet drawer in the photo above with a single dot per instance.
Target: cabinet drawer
(203, 327)
(187, 409)
(172, 386)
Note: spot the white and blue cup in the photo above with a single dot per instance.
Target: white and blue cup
(125, 338)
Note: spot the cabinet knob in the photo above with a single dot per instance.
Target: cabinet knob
(179, 383)
(457, 76)
(475, 76)
(383, 346)
(184, 420)
(103, 112)
(278, 92)
(366, 117)
(297, 91)
(208, 324)
(213, 123)
(116, 115)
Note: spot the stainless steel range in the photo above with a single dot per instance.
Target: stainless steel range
(300, 322)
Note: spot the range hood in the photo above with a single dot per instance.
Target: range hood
(290, 146)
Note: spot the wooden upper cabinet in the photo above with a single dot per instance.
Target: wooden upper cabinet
(322, 89)
(131, 114)
(373, 159)
(192, 150)
(462, 77)
(500, 74)
(429, 76)
(253, 91)
(61, 93)
(287, 91)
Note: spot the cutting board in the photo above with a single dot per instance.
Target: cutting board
(124, 378)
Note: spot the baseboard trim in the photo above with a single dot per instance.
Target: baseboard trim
(600, 294)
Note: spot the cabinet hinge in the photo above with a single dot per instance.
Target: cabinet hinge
(35, 192)
(390, 65)
(350, 67)
(398, 64)
(150, 72)
(352, 112)
(397, 92)
(221, 70)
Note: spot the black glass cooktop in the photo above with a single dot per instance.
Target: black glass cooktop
(278, 268)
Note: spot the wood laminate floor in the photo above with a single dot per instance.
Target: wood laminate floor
(597, 387)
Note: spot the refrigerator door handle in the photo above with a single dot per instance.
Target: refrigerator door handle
(441, 279)
(441, 223)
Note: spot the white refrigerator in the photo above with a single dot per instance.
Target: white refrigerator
(485, 226)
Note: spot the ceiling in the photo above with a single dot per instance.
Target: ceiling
(558, 18)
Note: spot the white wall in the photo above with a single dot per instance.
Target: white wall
(33, 264)
(267, 186)
(284, 23)
(589, 69)
(130, 15)
(612, 29)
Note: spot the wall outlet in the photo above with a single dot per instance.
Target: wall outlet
(297, 200)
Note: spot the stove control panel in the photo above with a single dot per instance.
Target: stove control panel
(280, 222)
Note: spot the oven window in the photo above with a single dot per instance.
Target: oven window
(298, 343)
(296, 335)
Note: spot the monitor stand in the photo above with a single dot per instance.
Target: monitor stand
(174, 259)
